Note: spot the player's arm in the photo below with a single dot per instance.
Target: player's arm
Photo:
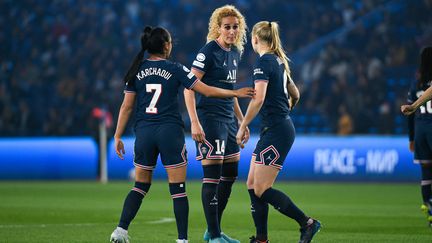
(239, 115)
(126, 110)
(189, 96)
(254, 107)
(210, 91)
(409, 109)
(294, 94)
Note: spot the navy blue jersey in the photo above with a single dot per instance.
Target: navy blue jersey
(156, 85)
(424, 113)
(270, 69)
(219, 66)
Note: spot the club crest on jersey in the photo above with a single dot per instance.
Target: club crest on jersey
(200, 57)
(203, 150)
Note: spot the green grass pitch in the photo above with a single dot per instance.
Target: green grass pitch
(88, 212)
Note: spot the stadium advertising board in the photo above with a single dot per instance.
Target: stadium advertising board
(311, 158)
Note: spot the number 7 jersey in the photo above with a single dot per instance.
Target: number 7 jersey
(156, 86)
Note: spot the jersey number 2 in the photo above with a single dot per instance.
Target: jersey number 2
(158, 90)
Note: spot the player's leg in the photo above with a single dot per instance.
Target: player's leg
(264, 179)
(426, 182)
(145, 156)
(177, 187)
(172, 147)
(134, 198)
(229, 169)
(211, 154)
(423, 154)
(259, 208)
(271, 152)
(132, 204)
(211, 179)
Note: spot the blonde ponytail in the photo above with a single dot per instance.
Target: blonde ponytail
(269, 32)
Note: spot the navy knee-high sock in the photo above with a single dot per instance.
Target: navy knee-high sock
(181, 208)
(259, 210)
(209, 198)
(426, 183)
(132, 203)
(283, 204)
(227, 179)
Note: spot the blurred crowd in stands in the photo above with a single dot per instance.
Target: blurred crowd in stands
(352, 59)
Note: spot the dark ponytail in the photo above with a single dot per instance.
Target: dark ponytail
(425, 67)
(145, 36)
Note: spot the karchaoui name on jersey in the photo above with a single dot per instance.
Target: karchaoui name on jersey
(154, 71)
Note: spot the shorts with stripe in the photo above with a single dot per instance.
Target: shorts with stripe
(423, 143)
(167, 140)
(274, 144)
(220, 140)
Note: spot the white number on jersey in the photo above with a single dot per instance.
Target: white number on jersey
(158, 90)
(220, 148)
(427, 107)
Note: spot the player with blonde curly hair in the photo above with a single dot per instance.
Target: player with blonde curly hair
(213, 125)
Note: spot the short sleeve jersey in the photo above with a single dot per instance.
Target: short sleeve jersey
(219, 66)
(156, 86)
(269, 68)
(424, 113)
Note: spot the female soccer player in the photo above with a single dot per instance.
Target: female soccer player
(420, 127)
(426, 69)
(276, 94)
(212, 122)
(153, 84)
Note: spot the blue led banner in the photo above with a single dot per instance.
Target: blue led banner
(48, 158)
(329, 158)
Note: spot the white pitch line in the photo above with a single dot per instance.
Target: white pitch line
(162, 221)
(11, 226)
(4, 226)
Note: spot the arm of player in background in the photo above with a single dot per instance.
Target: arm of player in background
(409, 109)
(123, 118)
(189, 96)
(294, 94)
(254, 107)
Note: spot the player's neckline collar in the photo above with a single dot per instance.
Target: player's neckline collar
(156, 59)
(223, 48)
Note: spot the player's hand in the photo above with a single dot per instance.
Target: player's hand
(407, 109)
(247, 92)
(411, 146)
(119, 147)
(241, 134)
(246, 136)
(197, 132)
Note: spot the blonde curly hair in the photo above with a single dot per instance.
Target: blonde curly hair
(216, 21)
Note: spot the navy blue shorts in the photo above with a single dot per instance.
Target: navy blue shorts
(423, 143)
(167, 140)
(220, 140)
(274, 144)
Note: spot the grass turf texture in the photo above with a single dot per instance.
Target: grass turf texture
(88, 212)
